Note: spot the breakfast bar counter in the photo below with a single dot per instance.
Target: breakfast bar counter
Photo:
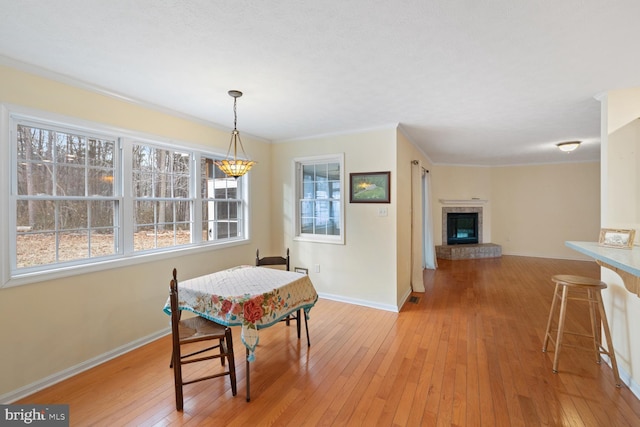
(624, 262)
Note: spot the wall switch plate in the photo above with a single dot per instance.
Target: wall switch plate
(383, 212)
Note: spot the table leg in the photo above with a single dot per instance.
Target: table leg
(247, 373)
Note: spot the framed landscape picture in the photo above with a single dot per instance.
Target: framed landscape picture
(370, 187)
(614, 238)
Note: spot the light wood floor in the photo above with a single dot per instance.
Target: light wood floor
(467, 353)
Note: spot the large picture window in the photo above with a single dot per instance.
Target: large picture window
(82, 193)
(66, 202)
(319, 201)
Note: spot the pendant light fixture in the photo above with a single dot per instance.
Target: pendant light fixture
(235, 167)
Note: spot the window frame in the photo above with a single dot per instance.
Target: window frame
(56, 198)
(12, 115)
(241, 211)
(130, 183)
(298, 164)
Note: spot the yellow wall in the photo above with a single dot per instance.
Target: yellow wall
(623, 158)
(364, 268)
(407, 153)
(530, 210)
(620, 197)
(536, 209)
(53, 325)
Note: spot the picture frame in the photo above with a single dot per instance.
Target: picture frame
(370, 187)
(617, 238)
(301, 270)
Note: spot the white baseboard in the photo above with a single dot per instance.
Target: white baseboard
(29, 389)
(625, 377)
(633, 386)
(405, 297)
(355, 301)
(578, 256)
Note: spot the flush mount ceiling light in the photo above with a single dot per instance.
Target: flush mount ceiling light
(568, 147)
(235, 167)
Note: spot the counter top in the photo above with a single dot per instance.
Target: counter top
(624, 262)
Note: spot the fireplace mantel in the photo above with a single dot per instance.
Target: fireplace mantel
(463, 201)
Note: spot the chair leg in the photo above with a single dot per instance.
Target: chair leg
(232, 362)
(551, 313)
(247, 375)
(563, 312)
(595, 324)
(298, 322)
(177, 378)
(306, 328)
(222, 349)
(607, 333)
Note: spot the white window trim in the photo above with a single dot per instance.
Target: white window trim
(297, 181)
(7, 217)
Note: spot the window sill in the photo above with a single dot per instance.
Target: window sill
(339, 240)
(111, 263)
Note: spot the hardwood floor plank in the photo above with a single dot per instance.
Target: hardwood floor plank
(468, 352)
(360, 378)
(334, 379)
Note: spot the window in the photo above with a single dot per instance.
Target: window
(222, 207)
(319, 190)
(83, 193)
(162, 201)
(66, 202)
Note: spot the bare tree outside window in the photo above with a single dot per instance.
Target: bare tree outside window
(75, 201)
(65, 196)
(162, 203)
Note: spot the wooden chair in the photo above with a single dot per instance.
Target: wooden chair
(272, 260)
(192, 330)
(279, 260)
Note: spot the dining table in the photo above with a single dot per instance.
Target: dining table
(251, 297)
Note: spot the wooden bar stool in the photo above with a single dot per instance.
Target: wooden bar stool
(592, 288)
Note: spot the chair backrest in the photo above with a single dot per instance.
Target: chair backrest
(272, 260)
(175, 313)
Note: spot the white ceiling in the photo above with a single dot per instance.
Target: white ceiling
(470, 82)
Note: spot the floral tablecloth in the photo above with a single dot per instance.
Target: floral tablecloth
(252, 297)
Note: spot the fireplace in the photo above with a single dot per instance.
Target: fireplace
(462, 228)
(462, 225)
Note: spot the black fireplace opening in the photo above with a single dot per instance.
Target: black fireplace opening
(462, 228)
